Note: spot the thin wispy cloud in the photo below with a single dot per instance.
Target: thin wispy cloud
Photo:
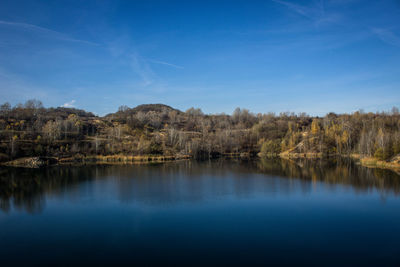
(43, 30)
(124, 52)
(70, 104)
(310, 13)
(386, 36)
(315, 12)
(49, 56)
(165, 63)
(141, 68)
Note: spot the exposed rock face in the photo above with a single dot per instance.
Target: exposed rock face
(32, 162)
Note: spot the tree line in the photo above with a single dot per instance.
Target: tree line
(30, 129)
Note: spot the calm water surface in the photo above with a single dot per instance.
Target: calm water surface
(197, 213)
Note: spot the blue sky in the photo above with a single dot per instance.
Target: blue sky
(267, 56)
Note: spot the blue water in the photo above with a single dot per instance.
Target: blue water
(201, 213)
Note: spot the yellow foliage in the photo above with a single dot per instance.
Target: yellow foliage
(315, 126)
(345, 137)
(71, 116)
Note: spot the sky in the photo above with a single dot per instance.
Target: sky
(267, 56)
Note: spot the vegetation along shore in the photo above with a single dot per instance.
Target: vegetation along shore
(32, 135)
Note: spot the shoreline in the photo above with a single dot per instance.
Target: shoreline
(38, 162)
(41, 161)
(375, 163)
(368, 162)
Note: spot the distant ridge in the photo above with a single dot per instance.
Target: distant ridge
(145, 108)
(153, 107)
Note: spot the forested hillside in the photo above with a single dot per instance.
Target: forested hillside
(31, 130)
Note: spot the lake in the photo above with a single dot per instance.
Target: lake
(221, 212)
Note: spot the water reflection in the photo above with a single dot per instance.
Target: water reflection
(336, 171)
(187, 181)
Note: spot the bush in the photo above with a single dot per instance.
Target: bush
(270, 147)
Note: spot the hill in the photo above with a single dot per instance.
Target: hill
(29, 129)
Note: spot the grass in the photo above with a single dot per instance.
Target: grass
(376, 163)
(121, 158)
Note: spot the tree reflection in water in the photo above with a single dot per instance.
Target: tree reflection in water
(27, 189)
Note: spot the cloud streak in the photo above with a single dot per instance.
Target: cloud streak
(141, 68)
(46, 31)
(310, 13)
(124, 51)
(165, 63)
(386, 36)
(315, 13)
